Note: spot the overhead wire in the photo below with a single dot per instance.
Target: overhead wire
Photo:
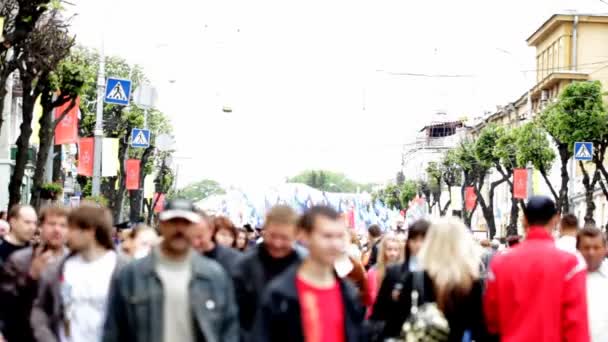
(604, 63)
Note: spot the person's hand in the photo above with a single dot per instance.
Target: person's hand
(39, 263)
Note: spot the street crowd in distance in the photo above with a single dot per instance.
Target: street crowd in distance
(69, 275)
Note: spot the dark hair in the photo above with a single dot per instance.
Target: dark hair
(308, 220)
(2, 214)
(52, 210)
(416, 230)
(539, 210)
(374, 231)
(569, 221)
(512, 240)
(222, 222)
(590, 232)
(92, 216)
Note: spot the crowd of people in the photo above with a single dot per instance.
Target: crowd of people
(70, 276)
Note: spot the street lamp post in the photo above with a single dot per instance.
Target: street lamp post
(101, 86)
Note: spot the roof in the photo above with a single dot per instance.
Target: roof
(555, 20)
(438, 124)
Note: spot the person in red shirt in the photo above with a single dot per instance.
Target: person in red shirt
(536, 292)
(309, 302)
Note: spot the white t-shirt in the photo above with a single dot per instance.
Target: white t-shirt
(85, 290)
(597, 303)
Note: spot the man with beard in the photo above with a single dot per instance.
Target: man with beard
(173, 294)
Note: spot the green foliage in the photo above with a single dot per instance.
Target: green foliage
(533, 147)
(397, 196)
(465, 157)
(200, 190)
(100, 200)
(52, 187)
(578, 115)
(506, 149)
(450, 171)
(329, 181)
(408, 192)
(485, 146)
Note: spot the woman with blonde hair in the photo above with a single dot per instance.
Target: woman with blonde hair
(449, 279)
(389, 253)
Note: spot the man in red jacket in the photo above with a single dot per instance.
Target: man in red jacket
(536, 292)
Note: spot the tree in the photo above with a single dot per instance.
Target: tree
(63, 86)
(407, 192)
(200, 190)
(485, 159)
(42, 52)
(20, 20)
(533, 147)
(451, 175)
(473, 173)
(435, 177)
(579, 115)
(329, 181)
(506, 152)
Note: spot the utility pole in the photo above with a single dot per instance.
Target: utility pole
(101, 87)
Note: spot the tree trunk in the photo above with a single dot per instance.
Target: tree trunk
(14, 188)
(589, 185)
(543, 172)
(514, 217)
(57, 173)
(136, 196)
(564, 203)
(4, 77)
(46, 138)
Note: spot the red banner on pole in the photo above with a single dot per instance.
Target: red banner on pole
(520, 183)
(66, 131)
(86, 155)
(158, 200)
(132, 171)
(470, 198)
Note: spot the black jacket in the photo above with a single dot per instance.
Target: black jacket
(252, 273)
(393, 306)
(227, 257)
(279, 318)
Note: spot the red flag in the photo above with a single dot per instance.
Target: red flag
(520, 183)
(86, 149)
(67, 129)
(159, 199)
(470, 198)
(351, 218)
(132, 171)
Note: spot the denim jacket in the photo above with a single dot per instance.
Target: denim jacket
(135, 304)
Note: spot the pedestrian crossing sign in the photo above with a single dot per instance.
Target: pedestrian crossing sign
(583, 151)
(118, 91)
(140, 138)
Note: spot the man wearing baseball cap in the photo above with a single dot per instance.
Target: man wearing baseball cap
(191, 293)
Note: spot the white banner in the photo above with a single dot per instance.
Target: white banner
(109, 157)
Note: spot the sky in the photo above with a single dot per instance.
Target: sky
(316, 84)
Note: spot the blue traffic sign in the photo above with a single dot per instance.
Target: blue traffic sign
(583, 151)
(140, 138)
(118, 91)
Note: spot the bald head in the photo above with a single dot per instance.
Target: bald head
(23, 221)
